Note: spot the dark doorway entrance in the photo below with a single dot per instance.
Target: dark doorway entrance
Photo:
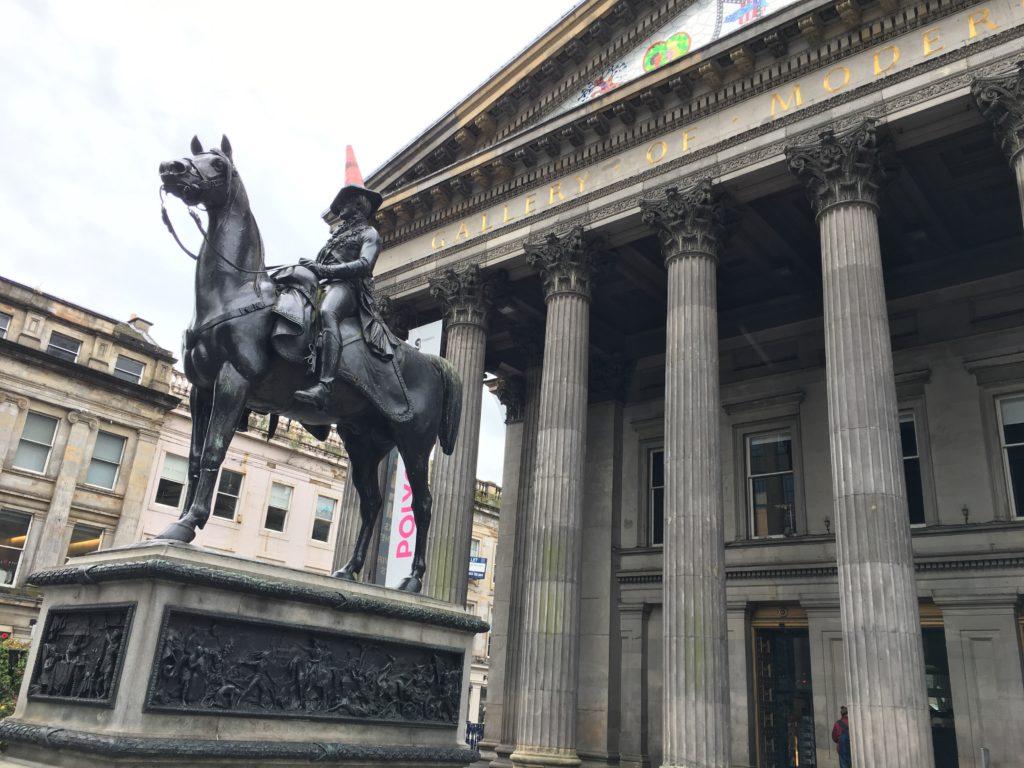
(785, 706)
(940, 698)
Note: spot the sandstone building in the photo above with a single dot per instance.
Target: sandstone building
(82, 400)
(750, 275)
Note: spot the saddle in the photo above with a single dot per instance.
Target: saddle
(294, 336)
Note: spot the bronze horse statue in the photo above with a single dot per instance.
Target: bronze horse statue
(236, 365)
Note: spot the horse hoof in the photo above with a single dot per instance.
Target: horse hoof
(344, 575)
(411, 584)
(177, 531)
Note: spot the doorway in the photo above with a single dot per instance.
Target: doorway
(784, 699)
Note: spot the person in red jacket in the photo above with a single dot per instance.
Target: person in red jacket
(841, 736)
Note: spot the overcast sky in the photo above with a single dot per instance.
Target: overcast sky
(93, 95)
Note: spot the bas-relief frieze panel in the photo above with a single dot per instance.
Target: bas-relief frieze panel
(224, 665)
(931, 47)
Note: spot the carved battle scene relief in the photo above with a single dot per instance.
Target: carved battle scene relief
(81, 653)
(222, 665)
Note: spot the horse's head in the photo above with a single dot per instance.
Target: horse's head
(205, 177)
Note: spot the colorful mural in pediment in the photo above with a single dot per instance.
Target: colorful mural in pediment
(699, 25)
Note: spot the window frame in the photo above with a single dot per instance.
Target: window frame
(648, 494)
(748, 484)
(780, 414)
(49, 451)
(1011, 501)
(120, 461)
(5, 328)
(116, 370)
(160, 476)
(21, 560)
(267, 507)
(334, 516)
(238, 499)
(78, 523)
(915, 408)
(49, 343)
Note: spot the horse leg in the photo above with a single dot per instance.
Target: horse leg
(418, 471)
(199, 405)
(229, 395)
(364, 461)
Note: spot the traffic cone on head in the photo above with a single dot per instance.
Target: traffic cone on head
(352, 174)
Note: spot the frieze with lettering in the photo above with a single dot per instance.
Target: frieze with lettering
(81, 654)
(217, 664)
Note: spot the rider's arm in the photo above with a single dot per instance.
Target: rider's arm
(360, 267)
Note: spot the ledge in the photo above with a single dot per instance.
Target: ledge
(166, 569)
(135, 747)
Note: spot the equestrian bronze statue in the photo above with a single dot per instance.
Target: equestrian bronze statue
(266, 342)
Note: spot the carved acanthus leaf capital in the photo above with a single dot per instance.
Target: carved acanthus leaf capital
(689, 222)
(528, 339)
(566, 263)
(847, 167)
(610, 376)
(511, 392)
(1000, 100)
(466, 294)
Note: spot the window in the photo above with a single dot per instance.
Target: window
(172, 481)
(229, 488)
(129, 369)
(323, 517)
(770, 485)
(106, 460)
(64, 347)
(36, 442)
(912, 469)
(656, 494)
(474, 548)
(13, 532)
(277, 506)
(1011, 433)
(84, 539)
(5, 324)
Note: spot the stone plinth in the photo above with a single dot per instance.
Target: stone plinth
(168, 655)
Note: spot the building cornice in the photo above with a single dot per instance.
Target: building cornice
(547, 220)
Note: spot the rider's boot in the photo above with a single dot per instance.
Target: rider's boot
(319, 393)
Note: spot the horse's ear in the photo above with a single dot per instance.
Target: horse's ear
(197, 146)
(225, 147)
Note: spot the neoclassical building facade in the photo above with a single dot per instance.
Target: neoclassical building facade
(751, 276)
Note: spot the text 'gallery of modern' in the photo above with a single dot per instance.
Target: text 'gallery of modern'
(751, 275)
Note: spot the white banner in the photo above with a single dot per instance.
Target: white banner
(402, 542)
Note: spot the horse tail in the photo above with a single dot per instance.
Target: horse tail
(451, 407)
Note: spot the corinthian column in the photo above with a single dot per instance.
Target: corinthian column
(889, 722)
(696, 690)
(549, 671)
(465, 295)
(1001, 100)
(51, 542)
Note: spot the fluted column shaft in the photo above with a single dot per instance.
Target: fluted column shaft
(51, 542)
(546, 726)
(889, 721)
(696, 658)
(511, 695)
(465, 295)
(349, 522)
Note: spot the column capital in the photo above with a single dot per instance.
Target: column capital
(1000, 99)
(610, 376)
(528, 339)
(689, 223)
(19, 401)
(466, 294)
(566, 264)
(400, 318)
(511, 392)
(83, 417)
(846, 167)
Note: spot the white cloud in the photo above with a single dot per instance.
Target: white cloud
(94, 95)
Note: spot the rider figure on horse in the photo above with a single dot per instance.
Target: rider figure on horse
(345, 268)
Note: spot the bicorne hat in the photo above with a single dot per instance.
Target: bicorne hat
(354, 186)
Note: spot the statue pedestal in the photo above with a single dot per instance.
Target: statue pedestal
(169, 655)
